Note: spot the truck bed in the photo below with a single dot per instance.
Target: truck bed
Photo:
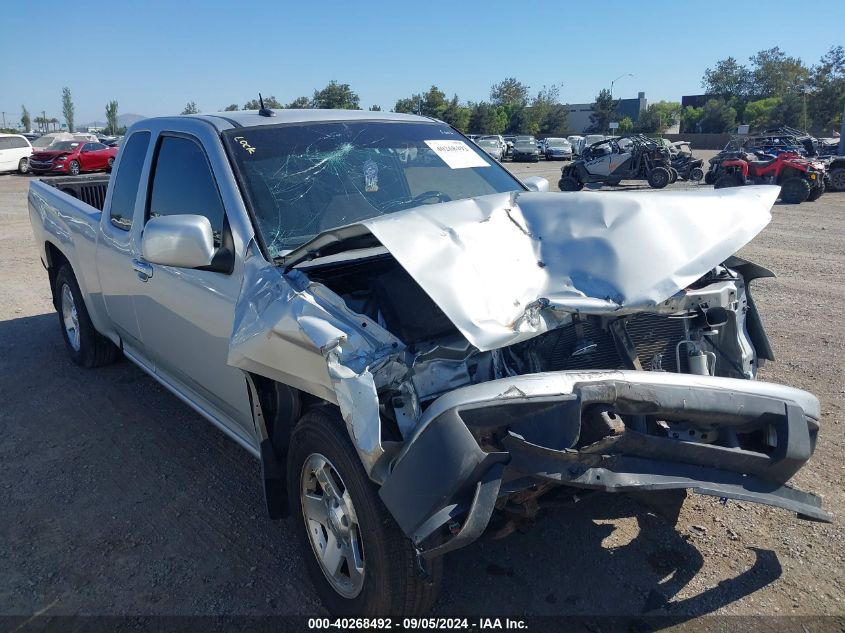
(89, 189)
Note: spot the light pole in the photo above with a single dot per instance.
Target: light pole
(617, 79)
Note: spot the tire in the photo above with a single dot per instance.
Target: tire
(23, 166)
(728, 180)
(85, 346)
(110, 164)
(709, 178)
(73, 168)
(614, 183)
(568, 183)
(391, 582)
(673, 175)
(794, 190)
(816, 192)
(696, 175)
(659, 177)
(837, 179)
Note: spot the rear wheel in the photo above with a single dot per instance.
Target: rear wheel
(84, 344)
(837, 179)
(673, 175)
(728, 180)
(73, 168)
(794, 190)
(709, 178)
(568, 183)
(359, 560)
(659, 177)
(23, 166)
(696, 174)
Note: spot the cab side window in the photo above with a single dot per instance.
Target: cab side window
(183, 184)
(127, 179)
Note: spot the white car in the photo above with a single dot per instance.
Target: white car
(575, 141)
(14, 153)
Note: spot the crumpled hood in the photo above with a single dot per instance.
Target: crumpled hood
(507, 267)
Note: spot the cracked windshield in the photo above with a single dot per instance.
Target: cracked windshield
(306, 179)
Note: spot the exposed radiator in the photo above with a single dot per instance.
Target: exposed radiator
(588, 346)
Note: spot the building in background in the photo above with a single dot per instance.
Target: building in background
(579, 113)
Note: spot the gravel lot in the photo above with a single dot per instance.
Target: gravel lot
(117, 499)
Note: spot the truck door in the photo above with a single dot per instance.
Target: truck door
(186, 315)
(117, 242)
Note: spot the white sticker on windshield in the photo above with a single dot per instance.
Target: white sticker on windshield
(456, 154)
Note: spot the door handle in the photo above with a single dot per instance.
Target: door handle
(144, 270)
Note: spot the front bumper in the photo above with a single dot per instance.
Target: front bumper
(451, 471)
(43, 167)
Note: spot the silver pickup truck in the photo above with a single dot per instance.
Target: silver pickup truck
(416, 345)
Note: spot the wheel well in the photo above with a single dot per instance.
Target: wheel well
(55, 260)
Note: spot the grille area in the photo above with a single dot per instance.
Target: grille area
(589, 346)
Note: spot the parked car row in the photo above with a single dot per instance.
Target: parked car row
(59, 152)
(524, 147)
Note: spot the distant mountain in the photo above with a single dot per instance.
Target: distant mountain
(122, 120)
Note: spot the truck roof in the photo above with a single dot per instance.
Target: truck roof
(251, 118)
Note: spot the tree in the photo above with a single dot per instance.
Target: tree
(67, 108)
(375, 108)
(604, 111)
(232, 107)
(55, 123)
(691, 119)
(758, 114)
(509, 92)
(625, 125)
(336, 96)
(408, 105)
(486, 118)
(26, 120)
(546, 115)
(111, 117)
(728, 78)
(300, 103)
(191, 108)
(775, 74)
(789, 111)
(659, 117)
(827, 80)
(717, 117)
(269, 102)
(457, 115)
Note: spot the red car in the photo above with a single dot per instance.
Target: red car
(73, 157)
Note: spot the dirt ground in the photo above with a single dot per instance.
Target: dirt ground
(117, 499)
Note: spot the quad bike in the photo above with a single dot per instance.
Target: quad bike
(834, 178)
(611, 161)
(687, 165)
(800, 180)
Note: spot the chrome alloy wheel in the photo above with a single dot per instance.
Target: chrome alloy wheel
(70, 317)
(332, 525)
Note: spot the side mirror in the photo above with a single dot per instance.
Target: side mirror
(536, 183)
(183, 241)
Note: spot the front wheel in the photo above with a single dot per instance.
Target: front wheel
(73, 168)
(568, 183)
(794, 190)
(673, 175)
(710, 178)
(696, 174)
(816, 192)
(359, 560)
(728, 180)
(23, 166)
(659, 177)
(110, 164)
(837, 179)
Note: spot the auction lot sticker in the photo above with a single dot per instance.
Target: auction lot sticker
(456, 154)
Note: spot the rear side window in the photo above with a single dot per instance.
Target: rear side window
(127, 178)
(5, 142)
(12, 142)
(183, 184)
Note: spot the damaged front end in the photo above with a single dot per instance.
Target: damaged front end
(486, 352)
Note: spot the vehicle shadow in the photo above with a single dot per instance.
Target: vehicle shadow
(114, 486)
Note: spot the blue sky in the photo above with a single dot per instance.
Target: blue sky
(155, 55)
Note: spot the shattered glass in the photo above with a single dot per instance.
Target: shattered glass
(303, 180)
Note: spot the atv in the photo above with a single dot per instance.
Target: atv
(613, 160)
(800, 179)
(687, 165)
